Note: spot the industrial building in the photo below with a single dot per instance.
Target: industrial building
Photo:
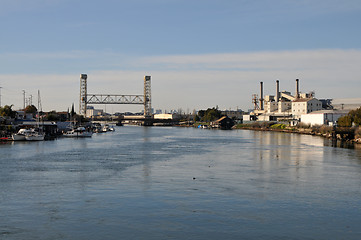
(91, 112)
(283, 105)
(323, 117)
(346, 103)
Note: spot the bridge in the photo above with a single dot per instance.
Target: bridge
(144, 99)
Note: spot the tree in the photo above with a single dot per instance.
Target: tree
(6, 111)
(72, 111)
(31, 109)
(353, 117)
(53, 116)
(208, 115)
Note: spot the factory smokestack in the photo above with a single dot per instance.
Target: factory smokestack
(297, 95)
(277, 90)
(261, 98)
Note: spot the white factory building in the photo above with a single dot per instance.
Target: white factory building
(304, 106)
(323, 117)
(91, 112)
(300, 107)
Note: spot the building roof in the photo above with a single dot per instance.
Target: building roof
(304, 99)
(222, 118)
(346, 101)
(331, 111)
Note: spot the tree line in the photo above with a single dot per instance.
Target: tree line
(353, 118)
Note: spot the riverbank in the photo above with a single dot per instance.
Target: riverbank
(352, 134)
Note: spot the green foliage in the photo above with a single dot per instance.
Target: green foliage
(278, 126)
(196, 118)
(211, 114)
(353, 117)
(30, 109)
(344, 121)
(72, 111)
(358, 132)
(6, 111)
(356, 116)
(53, 116)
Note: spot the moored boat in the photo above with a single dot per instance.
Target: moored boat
(20, 135)
(35, 136)
(78, 132)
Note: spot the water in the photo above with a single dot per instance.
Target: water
(180, 183)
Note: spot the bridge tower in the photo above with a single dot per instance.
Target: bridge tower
(83, 94)
(86, 98)
(147, 97)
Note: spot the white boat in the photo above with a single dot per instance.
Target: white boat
(28, 135)
(20, 135)
(78, 132)
(108, 128)
(35, 136)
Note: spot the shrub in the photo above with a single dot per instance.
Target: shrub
(278, 126)
(358, 132)
(303, 125)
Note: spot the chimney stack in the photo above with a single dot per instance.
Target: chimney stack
(277, 90)
(297, 95)
(261, 98)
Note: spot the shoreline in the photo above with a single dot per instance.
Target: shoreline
(305, 131)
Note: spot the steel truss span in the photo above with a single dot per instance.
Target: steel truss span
(114, 99)
(86, 98)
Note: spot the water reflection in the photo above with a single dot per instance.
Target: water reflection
(299, 150)
(174, 183)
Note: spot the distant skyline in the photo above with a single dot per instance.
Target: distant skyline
(200, 53)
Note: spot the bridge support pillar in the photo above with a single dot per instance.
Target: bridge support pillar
(83, 94)
(147, 97)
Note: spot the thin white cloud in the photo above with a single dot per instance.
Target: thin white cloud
(262, 61)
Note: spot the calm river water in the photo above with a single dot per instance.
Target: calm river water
(180, 183)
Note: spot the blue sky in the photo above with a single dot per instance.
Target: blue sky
(200, 53)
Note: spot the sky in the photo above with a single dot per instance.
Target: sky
(199, 53)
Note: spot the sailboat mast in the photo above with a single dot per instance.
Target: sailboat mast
(39, 110)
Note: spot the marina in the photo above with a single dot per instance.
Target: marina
(180, 183)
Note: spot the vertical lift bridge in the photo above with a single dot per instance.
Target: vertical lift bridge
(86, 98)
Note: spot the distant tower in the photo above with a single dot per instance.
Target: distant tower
(261, 98)
(147, 97)
(255, 101)
(297, 94)
(83, 94)
(277, 90)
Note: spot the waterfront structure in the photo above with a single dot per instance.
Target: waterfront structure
(238, 114)
(283, 105)
(224, 123)
(305, 105)
(346, 103)
(323, 117)
(92, 112)
(167, 116)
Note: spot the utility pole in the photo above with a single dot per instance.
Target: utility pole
(39, 102)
